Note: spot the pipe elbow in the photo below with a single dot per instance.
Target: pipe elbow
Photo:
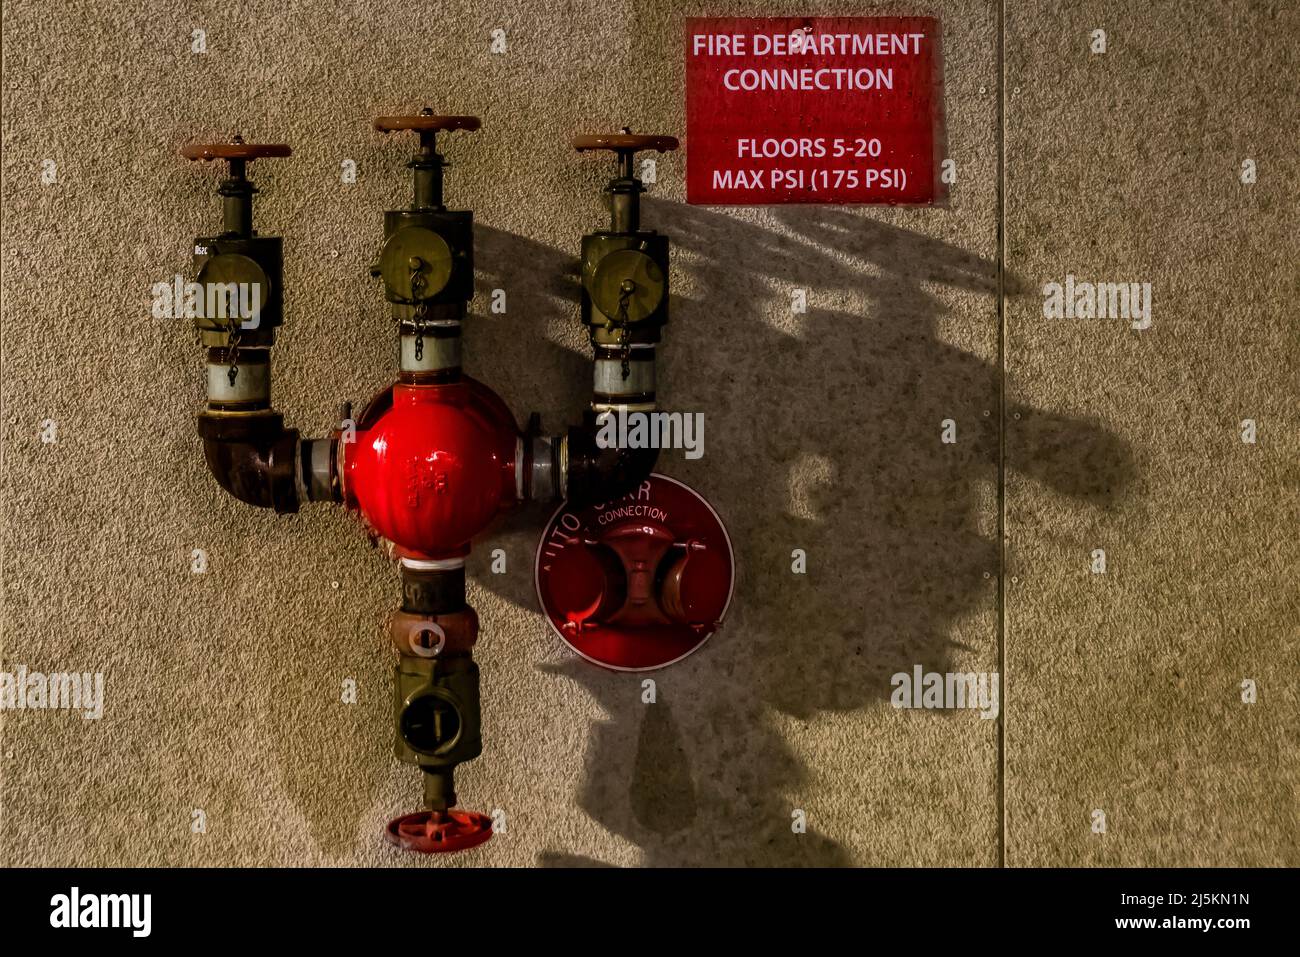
(598, 474)
(253, 459)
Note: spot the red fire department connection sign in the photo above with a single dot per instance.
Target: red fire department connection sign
(811, 110)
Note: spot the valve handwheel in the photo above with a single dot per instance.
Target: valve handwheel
(437, 832)
(236, 149)
(624, 141)
(426, 121)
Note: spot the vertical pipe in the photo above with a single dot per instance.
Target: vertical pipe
(427, 174)
(237, 201)
(625, 212)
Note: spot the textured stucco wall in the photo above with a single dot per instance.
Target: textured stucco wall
(1121, 691)
(1125, 689)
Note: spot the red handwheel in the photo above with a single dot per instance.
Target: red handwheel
(439, 832)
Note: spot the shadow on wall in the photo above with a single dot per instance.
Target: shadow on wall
(826, 437)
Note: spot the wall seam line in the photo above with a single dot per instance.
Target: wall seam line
(1002, 426)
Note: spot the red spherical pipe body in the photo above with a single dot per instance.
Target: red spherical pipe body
(432, 465)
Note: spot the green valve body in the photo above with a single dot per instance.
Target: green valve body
(436, 708)
(624, 286)
(254, 262)
(436, 711)
(427, 258)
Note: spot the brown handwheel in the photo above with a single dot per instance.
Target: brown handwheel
(426, 121)
(624, 141)
(236, 149)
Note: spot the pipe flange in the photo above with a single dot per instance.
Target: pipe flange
(432, 636)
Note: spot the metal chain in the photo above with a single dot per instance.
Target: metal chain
(620, 324)
(421, 310)
(232, 349)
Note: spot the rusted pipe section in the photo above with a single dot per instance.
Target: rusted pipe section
(254, 459)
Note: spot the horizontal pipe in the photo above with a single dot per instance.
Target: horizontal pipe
(319, 470)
